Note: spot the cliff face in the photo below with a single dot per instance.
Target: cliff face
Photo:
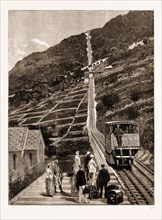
(70, 54)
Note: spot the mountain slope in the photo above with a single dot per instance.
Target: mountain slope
(70, 54)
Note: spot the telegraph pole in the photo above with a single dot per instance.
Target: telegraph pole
(91, 101)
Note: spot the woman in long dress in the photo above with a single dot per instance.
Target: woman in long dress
(77, 162)
(72, 182)
(49, 181)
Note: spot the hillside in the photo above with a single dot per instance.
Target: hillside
(48, 86)
(126, 92)
(45, 69)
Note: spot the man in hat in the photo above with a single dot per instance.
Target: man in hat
(57, 176)
(92, 170)
(119, 134)
(86, 161)
(103, 179)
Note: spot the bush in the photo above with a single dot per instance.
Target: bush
(100, 108)
(135, 94)
(132, 113)
(147, 137)
(112, 78)
(109, 100)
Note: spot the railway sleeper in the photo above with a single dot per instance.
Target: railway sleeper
(139, 186)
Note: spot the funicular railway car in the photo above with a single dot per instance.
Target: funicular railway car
(121, 142)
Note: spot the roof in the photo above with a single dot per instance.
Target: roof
(122, 122)
(21, 138)
(16, 138)
(33, 140)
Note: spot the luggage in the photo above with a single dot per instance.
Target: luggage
(93, 192)
(110, 187)
(114, 196)
(86, 190)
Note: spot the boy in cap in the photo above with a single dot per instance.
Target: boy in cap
(103, 179)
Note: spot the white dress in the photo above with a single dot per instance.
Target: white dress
(77, 163)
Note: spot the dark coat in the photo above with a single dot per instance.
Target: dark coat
(80, 179)
(103, 177)
(86, 161)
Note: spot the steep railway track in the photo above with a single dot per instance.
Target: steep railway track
(137, 182)
(144, 173)
(136, 189)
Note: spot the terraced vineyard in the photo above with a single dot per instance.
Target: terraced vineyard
(66, 111)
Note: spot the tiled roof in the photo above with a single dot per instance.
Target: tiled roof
(21, 138)
(16, 138)
(33, 140)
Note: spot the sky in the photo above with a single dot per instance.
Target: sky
(35, 30)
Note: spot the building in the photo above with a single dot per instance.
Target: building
(26, 150)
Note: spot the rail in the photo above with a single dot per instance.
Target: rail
(144, 172)
(137, 190)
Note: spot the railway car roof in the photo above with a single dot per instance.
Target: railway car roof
(122, 122)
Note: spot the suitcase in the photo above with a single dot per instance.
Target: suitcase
(110, 187)
(114, 196)
(93, 192)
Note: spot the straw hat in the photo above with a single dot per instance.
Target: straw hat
(88, 153)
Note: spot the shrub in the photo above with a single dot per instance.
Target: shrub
(13, 123)
(145, 40)
(135, 94)
(100, 107)
(110, 100)
(147, 136)
(132, 113)
(112, 78)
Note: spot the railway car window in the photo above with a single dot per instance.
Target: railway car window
(135, 129)
(126, 129)
(107, 129)
(111, 129)
(130, 129)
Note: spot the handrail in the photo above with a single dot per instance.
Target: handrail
(26, 171)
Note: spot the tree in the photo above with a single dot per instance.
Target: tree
(132, 113)
(135, 94)
(109, 100)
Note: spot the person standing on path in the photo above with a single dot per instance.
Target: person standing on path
(92, 170)
(80, 184)
(86, 161)
(57, 176)
(102, 180)
(77, 162)
(73, 183)
(49, 181)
